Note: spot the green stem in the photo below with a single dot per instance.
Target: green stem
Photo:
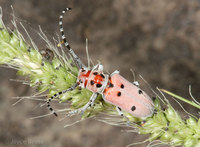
(181, 98)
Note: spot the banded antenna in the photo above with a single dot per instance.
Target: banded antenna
(75, 57)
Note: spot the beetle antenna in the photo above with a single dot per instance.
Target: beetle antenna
(75, 57)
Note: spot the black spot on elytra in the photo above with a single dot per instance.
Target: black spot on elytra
(133, 108)
(140, 91)
(98, 85)
(60, 93)
(92, 82)
(122, 86)
(102, 75)
(95, 73)
(111, 85)
(119, 93)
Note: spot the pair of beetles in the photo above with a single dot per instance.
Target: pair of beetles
(114, 88)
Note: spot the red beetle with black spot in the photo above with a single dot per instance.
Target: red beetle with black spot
(114, 88)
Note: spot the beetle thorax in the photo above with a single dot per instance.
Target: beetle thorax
(93, 80)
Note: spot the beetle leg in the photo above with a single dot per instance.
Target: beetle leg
(95, 67)
(84, 108)
(115, 72)
(122, 114)
(56, 95)
(90, 103)
(119, 111)
(136, 83)
(100, 67)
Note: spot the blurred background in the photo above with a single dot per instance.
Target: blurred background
(157, 39)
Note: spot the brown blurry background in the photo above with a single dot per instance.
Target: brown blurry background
(159, 39)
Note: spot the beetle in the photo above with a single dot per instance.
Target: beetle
(114, 88)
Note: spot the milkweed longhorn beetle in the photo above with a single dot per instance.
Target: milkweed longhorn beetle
(114, 88)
